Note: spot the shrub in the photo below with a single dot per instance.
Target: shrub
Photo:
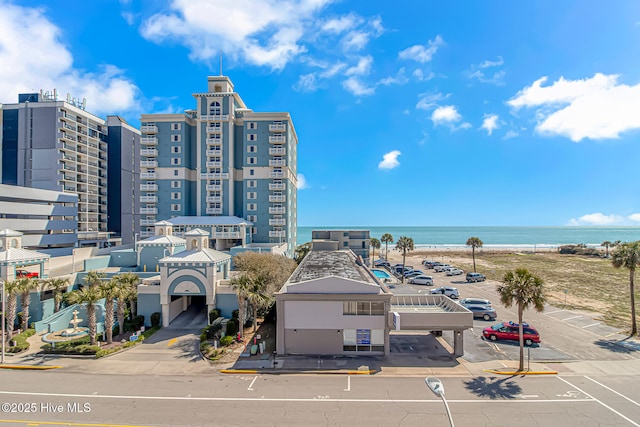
(204, 347)
(226, 341)
(232, 328)
(204, 335)
(235, 314)
(214, 330)
(21, 341)
(155, 319)
(213, 315)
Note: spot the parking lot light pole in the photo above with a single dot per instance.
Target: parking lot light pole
(3, 337)
(436, 386)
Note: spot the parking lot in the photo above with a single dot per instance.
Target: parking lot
(566, 335)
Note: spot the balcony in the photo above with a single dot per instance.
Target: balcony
(149, 152)
(214, 141)
(214, 199)
(148, 187)
(147, 222)
(279, 199)
(278, 163)
(149, 129)
(277, 221)
(215, 118)
(277, 211)
(277, 139)
(227, 235)
(216, 164)
(278, 234)
(214, 129)
(149, 199)
(148, 211)
(149, 140)
(276, 174)
(214, 187)
(277, 187)
(144, 234)
(214, 211)
(277, 151)
(147, 175)
(148, 164)
(214, 176)
(213, 152)
(278, 127)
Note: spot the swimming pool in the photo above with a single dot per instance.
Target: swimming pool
(381, 274)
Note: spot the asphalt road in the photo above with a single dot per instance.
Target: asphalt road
(59, 398)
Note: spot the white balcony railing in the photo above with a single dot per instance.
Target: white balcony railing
(149, 152)
(149, 129)
(278, 139)
(214, 187)
(148, 211)
(214, 129)
(216, 164)
(148, 187)
(213, 152)
(148, 164)
(214, 141)
(278, 198)
(227, 235)
(214, 199)
(216, 118)
(280, 187)
(146, 233)
(277, 234)
(147, 222)
(149, 140)
(277, 211)
(149, 199)
(214, 175)
(276, 174)
(277, 163)
(147, 175)
(278, 127)
(214, 211)
(278, 221)
(277, 151)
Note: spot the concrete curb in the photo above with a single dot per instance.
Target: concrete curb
(494, 371)
(293, 371)
(31, 367)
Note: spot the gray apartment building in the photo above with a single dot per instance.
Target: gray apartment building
(57, 145)
(221, 159)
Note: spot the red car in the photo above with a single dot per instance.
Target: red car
(509, 331)
(24, 273)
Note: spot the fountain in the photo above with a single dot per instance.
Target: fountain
(75, 331)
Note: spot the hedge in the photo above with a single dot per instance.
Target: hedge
(21, 341)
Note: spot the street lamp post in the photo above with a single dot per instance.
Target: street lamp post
(436, 386)
(3, 337)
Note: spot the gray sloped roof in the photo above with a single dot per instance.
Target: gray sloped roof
(202, 255)
(17, 255)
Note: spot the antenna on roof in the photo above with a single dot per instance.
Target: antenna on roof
(220, 62)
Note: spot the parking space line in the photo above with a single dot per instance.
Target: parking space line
(251, 385)
(613, 391)
(593, 324)
(572, 317)
(557, 311)
(600, 402)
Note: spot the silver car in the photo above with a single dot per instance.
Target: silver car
(448, 291)
(482, 311)
(421, 280)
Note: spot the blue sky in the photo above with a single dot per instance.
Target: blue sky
(407, 113)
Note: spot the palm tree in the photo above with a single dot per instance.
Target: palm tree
(242, 285)
(94, 277)
(301, 252)
(131, 281)
(375, 244)
(11, 293)
(89, 296)
(474, 242)
(109, 291)
(523, 289)
(258, 297)
(607, 244)
(386, 239)
(25, 286)
(122, 294)
(404, 245)
(57, 285)
(627, 255)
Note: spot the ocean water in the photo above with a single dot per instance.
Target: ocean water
(493, 236)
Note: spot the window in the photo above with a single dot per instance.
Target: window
(175, 196)
(175, 207)
(215, 109)
(254, 230)
(175, 138)
(362, 308)
(251, 172)
(345, 244)
(176, 184)
(252, 125)
(252, 148)
(175, 160)
(251, 207)
(252, 137)
(175, 172)
(252, 160)
(252, 183)
(176, 149)
(175, 126)
(252, 195)
(252, 218)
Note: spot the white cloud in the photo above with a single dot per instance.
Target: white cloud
(361, 68)
(357, 88)
(427, 101)
(341, 24)
(264, 33)
(634, 217)
(398, 79)
(596, 108)
(421, 76)
(481, 73)
(510, 134)
(599, 218)
(306, 83)
(422, 53)
(390, 160)
(302, 182)
(448, 115)
(128, 17)
(490, 123)
(38, 59)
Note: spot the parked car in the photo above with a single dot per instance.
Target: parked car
(482, 311)
(24, 273)
(476, 277)
(421, 280)
(509, 331)
(415, 272)
(432, 264)
(475, 301)
(454, 272)
(426, 262)
(449, 291)
(381, 263)
(442, 267)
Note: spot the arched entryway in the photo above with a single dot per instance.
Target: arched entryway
(187, 307)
